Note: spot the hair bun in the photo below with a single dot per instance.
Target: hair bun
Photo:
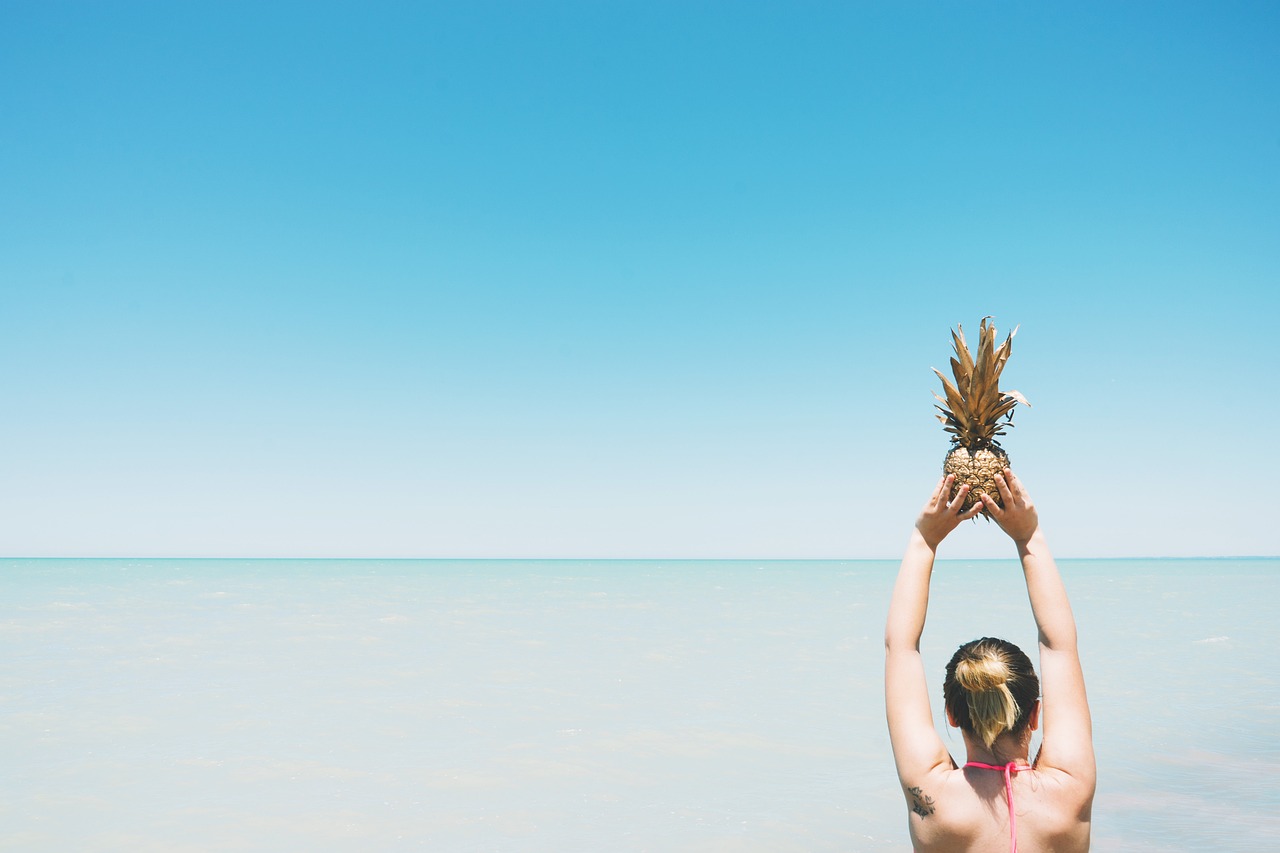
(982, 674)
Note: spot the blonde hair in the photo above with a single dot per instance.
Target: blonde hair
(991, 688)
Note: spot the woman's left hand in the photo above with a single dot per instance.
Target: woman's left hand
(940, 516)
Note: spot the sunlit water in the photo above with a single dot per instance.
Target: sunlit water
(587, 706)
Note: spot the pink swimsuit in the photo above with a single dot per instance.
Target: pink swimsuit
(1009, 769)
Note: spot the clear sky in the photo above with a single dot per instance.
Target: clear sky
(629, 279)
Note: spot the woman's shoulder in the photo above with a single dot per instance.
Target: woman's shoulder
(952, 815)
(1065, 802)
(1070, 787)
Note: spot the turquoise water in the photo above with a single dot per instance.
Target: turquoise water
(541, 705)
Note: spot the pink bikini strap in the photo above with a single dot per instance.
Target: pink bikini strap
(1009, 769)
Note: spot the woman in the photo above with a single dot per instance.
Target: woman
(999, 798)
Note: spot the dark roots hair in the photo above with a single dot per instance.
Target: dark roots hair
(991, 687)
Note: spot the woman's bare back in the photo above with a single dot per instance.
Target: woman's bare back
(965, 809)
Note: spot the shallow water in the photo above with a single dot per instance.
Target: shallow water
(543, 705)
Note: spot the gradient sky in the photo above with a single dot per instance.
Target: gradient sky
(629, 279)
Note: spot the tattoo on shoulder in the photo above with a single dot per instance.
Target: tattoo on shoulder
(921, 803)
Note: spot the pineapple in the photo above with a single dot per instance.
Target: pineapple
(972, 412)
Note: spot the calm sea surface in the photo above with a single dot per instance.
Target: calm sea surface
(172, 705)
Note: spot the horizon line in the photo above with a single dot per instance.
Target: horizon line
(532, 559)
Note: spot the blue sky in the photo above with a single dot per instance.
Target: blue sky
(629, 279)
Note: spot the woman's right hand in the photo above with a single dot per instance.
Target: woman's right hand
(941, 514)
(1018, 516)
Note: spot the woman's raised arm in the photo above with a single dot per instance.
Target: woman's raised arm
(917, 749)
(1065, 720)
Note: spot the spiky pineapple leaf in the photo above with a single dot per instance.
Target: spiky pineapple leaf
(962, 349)
(982, 366)
(954, 398)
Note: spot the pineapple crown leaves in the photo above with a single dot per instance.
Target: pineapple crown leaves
(974, 404)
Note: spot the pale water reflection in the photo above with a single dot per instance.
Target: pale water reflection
(718, 706)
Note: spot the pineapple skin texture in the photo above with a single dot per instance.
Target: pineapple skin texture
(978, 469)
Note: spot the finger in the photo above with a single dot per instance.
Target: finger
(1015, 485)
(972, 511)
(1002, 484)
(992, 507)
(939, 497)
(937, 490)
(958, 501)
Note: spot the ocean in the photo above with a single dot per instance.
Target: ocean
(333, 705)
